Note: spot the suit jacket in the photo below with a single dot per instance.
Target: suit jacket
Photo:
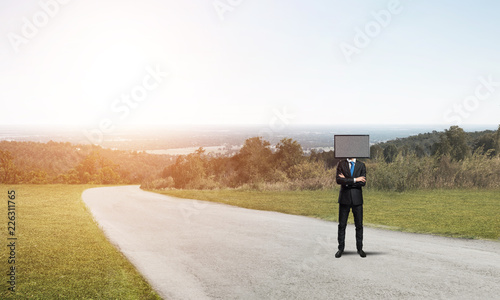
(350, 192)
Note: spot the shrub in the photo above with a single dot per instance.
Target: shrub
(307, 170)
(158, 184)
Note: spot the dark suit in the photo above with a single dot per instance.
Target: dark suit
(350, 197)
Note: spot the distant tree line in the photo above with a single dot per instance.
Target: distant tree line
(255, 165)
(453, 142)
(40, 163)
(449, 159)
(437, 160)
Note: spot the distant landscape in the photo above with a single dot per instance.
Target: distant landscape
(216, 157)
(174, 137)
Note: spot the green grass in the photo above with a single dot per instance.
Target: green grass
(61, 252)
(465, 213)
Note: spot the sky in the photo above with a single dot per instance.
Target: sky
(115, 63)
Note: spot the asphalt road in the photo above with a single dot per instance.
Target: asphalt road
(191, 249)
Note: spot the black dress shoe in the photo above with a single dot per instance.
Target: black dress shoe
(339, 253)
(361, 253)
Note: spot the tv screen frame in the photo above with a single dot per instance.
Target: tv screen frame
(351, 145)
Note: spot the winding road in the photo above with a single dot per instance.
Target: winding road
(190, 249)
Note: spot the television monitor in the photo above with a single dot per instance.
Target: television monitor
(351, 146)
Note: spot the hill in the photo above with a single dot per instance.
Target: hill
(425, 144)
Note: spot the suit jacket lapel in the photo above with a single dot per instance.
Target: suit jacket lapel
(348, 168)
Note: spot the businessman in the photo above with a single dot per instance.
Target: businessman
(351, 175)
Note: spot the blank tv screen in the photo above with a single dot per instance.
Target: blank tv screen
(355, 146)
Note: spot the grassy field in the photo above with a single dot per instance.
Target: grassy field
(457, 213)
(61, 252)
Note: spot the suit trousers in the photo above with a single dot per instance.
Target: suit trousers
(357, 211)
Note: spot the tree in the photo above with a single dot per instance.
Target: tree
(486, 143)
(289, 153)
(107, 175)
(8, 171)
(188, 169)
(96, 169)
(254, 160)
(36, 177)
(390, 153)
(404, 150)
(420, 151)
(452, 143)
(376, 152)
(441, 148)
(457, 139)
